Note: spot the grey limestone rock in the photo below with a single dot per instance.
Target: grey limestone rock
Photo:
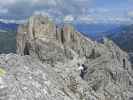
(59, 63)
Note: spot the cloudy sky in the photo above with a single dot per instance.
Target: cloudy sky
(86, 11)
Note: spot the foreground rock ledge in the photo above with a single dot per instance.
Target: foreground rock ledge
(59, 63)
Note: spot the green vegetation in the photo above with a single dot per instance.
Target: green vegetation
(2, 72)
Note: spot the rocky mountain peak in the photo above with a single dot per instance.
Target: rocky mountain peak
(45, 40)
(59, 63)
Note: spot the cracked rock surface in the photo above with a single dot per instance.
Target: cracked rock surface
(28, 79)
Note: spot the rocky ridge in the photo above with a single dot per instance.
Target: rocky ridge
(59, 63)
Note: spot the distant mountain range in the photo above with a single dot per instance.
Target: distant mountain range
(8, 37)
(120, 34)
(123, 37)
(8, 26)
(96, 31)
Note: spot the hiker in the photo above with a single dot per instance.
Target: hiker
(83, 71)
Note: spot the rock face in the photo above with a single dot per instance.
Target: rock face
(27, 79)
(59, 63)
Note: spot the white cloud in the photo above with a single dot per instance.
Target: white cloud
(103, 19)
(41, 12)
(99, 10)
(64, 10)
(7, 2)
(12, 21)
(130, 14)
(3, 10)
(25, 8)
(86, 18)
(68, 18)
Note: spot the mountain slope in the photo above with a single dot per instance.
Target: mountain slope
(59, 63)
(88, 70)
(124, 38)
